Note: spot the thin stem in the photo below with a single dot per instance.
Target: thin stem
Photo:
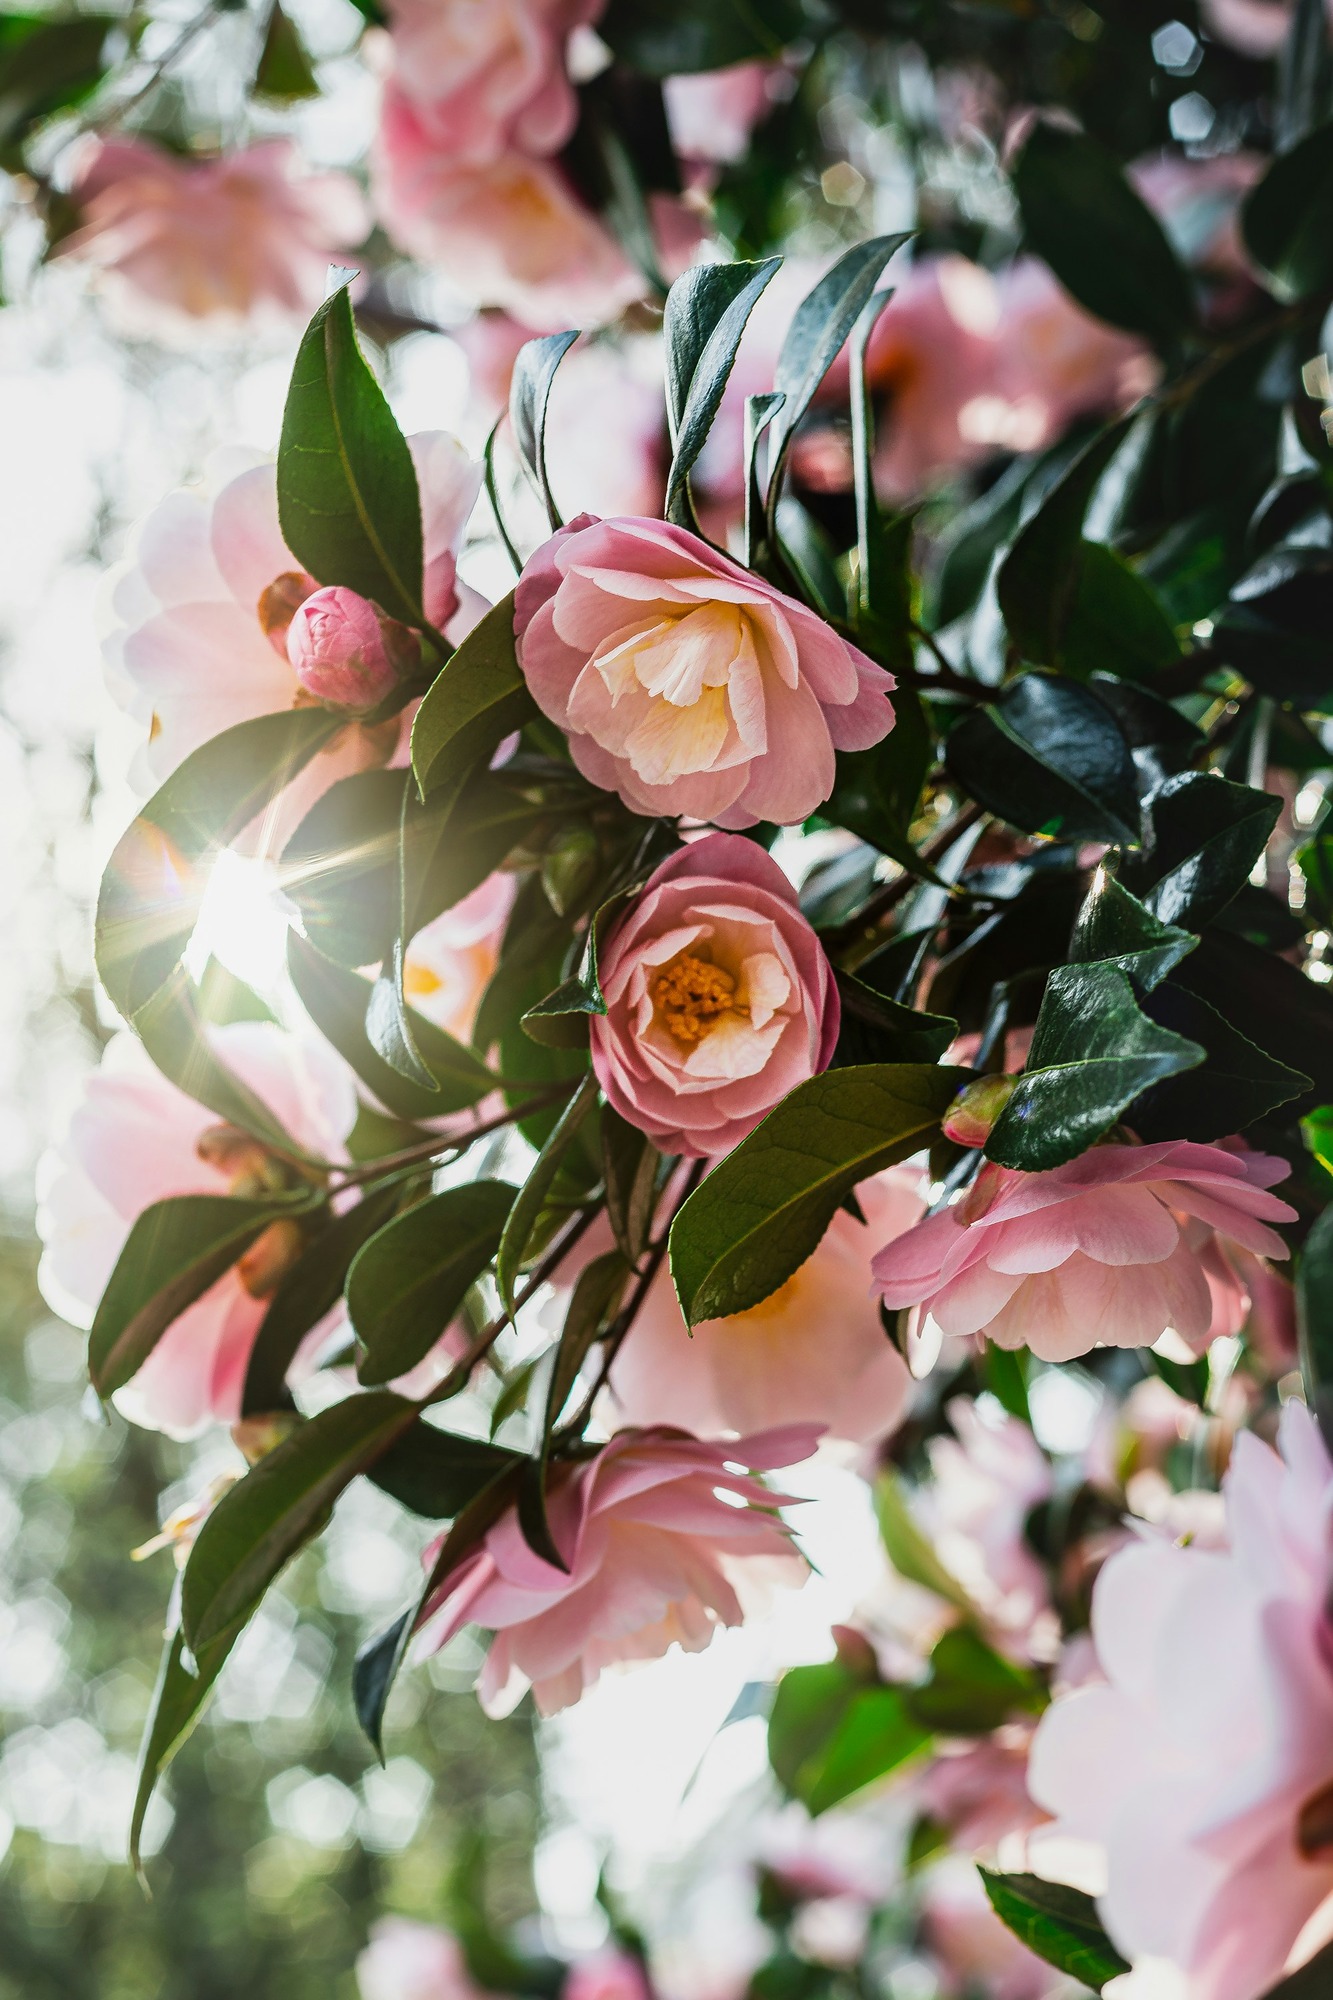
(116, 113)
(893, 892)
(948, 674)
(443, 1143)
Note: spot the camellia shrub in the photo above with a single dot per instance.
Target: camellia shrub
(814, 962)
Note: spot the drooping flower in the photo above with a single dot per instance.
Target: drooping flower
(186, 240)
(405, 1960)
(491, 73)
(450, 962)
(136, 1139)
(686, 683)
(201, 615)
(1114, 1248)
(1203, 1769)
(719, 998)
(815, 1350)
(656, 1558)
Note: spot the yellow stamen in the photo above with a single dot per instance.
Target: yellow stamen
(690, 995)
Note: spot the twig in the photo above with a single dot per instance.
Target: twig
(948, 675)
(453, 1142)
(893, 892)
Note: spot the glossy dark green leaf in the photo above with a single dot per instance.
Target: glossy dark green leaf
(435, 1473)
(1287, 220)
(285, 71)
(1060, 1925)
(1314, 1980)
(629, 1171)
(560, 1019)
(1050, 757)
(1102, 241)
(473, 703)
(154, 883)
(529, 399)
(810, 559)
(878, 1029)
(175, 1250)
(1269, 1001)
(282, 1503)
(340, 867)
(706, 313)
(876, 792)
(184, 1683)
(407, 1283)
(1037, 583)
(1116, 623)
(1314, 1320)
(970, 1689)
(1207, 835)
(347, 489)
(762, 1212)
(1093, 1051)
(531, 1200)
(1115, 928)
(1277, 627)
(596, 1295)
(1235, 1085)
(672, 37)
(312, 1288)
(830, 1734)
(336, 1001)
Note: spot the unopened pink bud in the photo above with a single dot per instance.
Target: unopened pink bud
(976, 1108)
(345, 652)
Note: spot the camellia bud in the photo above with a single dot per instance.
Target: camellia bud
(345, 652)
(976, 1108)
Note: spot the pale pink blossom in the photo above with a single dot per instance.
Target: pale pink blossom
(816, 1349)
(1055, 362)
(200, 615)
(512, 232)
(974, 1951)
(686, 683)
(712, 112)
(932, 359)
(1198, 202)
(405, 1960)
(977, 1790)
(1112, 1248)
(1202, 1771)
(609, 1974)
(1257, 28)
(606, 443)
(135, 1139)
(450, 962)
(656, 1558)
(489, 73)
(719, 999)
(986, 1479)
(192, 239)
(345, 652)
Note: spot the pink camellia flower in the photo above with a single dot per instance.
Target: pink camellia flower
(656, 1558)
(974, 1951)
(816, 1349)
(1257, 28)
(211, 238)
(610, 1974)
(410, 1961)
(932, 358)
(1055, 362)
(686, 683)
(1113, 1248)
(202, 613)
(491, 72)
(345, 652)
(985, 1481)
(1203, 1769)
(719, 999)
(136, 1139)
(712, 112)
(512, 232)
(450, 962)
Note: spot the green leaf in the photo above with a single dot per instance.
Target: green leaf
(1287, 220)
(1049, 757)
(876, 792)
(310, 1289)
(706, 313)
(285, 72)
(593, 1302)
(1269, 1001)
(1038, 582)
(1311, 1982)
(340, 867)
(971, 1689)
(337, 1000)
(1115, 928)
(1236, 1084)
(348, 501)
(436, 1473)
(154, 883)
(1315, 862)
(280, 1505)
(1314, 1320)
(408, 1282)
(764, 1209)
(560, 1020)
(178, 1701)
(529, 398)
(177, 1041)
(878, 1029)
(1060, 1925)
(818, 332)
(673, 37)
(47, 66)
(477, 699)
(1006, 1371)
(830, 1734)
(1116, 623)
(629, 1170)
(908, 1549)
(1102, 241)
(1206, 835)
(523, 1216)
(175, 1250)
(1093, 1051)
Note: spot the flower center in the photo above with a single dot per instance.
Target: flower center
(690, 996)
(1314, 1825)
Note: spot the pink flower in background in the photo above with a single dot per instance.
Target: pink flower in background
(136, 1139)
(1198, 203)
(933, 358)
(687, 684)
(712, 113)
(1203, 1769)
(610, 1974)
(655, 1558)
(207, 238)
(489, 73)
(986, 1480)
(719, 999)
(1055, 362)
(606, 442)
(450, 962)
(978, 1791)
(1257, 28)
(202, 612)
(411, 1961)
(1110, 1248)
(816, 1349)
(973, 1950)
(512, 232)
